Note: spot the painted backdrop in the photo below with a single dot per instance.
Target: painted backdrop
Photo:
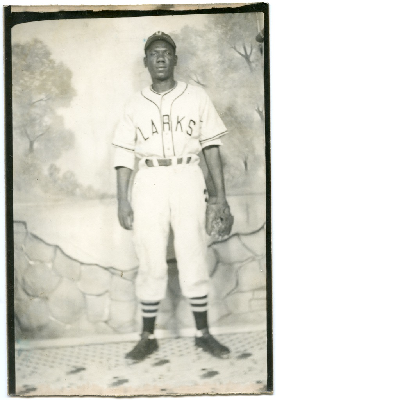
(71, 79)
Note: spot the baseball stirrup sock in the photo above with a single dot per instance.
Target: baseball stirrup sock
(199, 309)
(149, 313)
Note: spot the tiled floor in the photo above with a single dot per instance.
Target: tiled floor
(176, 368)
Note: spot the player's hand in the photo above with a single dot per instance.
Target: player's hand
(125, 214)
(219, 220)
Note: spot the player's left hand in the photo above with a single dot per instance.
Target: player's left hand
(219, 219)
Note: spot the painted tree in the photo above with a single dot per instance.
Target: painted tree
(223, 58)
(40, 87)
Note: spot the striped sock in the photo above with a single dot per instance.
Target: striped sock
(199, 309)
(149, 313)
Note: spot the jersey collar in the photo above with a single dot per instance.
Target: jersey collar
(171, 94)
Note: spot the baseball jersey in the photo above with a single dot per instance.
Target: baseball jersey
(175, 123)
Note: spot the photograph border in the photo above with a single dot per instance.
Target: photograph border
(12, 18)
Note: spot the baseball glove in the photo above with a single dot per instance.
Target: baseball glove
(219, 220)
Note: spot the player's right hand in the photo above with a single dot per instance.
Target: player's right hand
(125, 214)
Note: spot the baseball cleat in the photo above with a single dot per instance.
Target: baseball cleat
(210, 345)
(143, 348)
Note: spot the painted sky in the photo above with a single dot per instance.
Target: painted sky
(105, 56)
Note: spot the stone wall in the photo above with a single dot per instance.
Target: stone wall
(57, 296)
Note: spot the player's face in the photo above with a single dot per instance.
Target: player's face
(160, 60)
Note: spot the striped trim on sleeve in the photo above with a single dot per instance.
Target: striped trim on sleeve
(214, 137)
(122, 147)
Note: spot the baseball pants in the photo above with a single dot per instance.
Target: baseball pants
(165, 197)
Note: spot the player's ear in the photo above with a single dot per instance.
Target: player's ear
(145, 61)
(175, 60)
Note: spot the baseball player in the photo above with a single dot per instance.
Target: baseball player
(165, 126)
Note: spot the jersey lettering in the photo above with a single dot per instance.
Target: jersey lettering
(145, 138)
(153, 127)
(166, 121)
(179, 122)
(189, 127)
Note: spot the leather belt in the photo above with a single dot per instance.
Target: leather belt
(166, 162)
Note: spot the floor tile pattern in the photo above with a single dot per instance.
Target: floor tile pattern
(176, 368)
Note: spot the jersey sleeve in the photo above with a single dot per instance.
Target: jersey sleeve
(124, 141)
(211, 126)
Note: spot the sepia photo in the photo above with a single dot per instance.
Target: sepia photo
(139, 226)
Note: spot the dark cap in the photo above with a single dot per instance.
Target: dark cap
(159, 36)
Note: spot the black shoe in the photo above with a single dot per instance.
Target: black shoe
(143, 349)
(210, 345)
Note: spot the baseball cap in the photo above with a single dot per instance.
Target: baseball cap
(159, 36)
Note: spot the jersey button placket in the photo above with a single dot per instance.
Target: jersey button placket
(166, 134)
